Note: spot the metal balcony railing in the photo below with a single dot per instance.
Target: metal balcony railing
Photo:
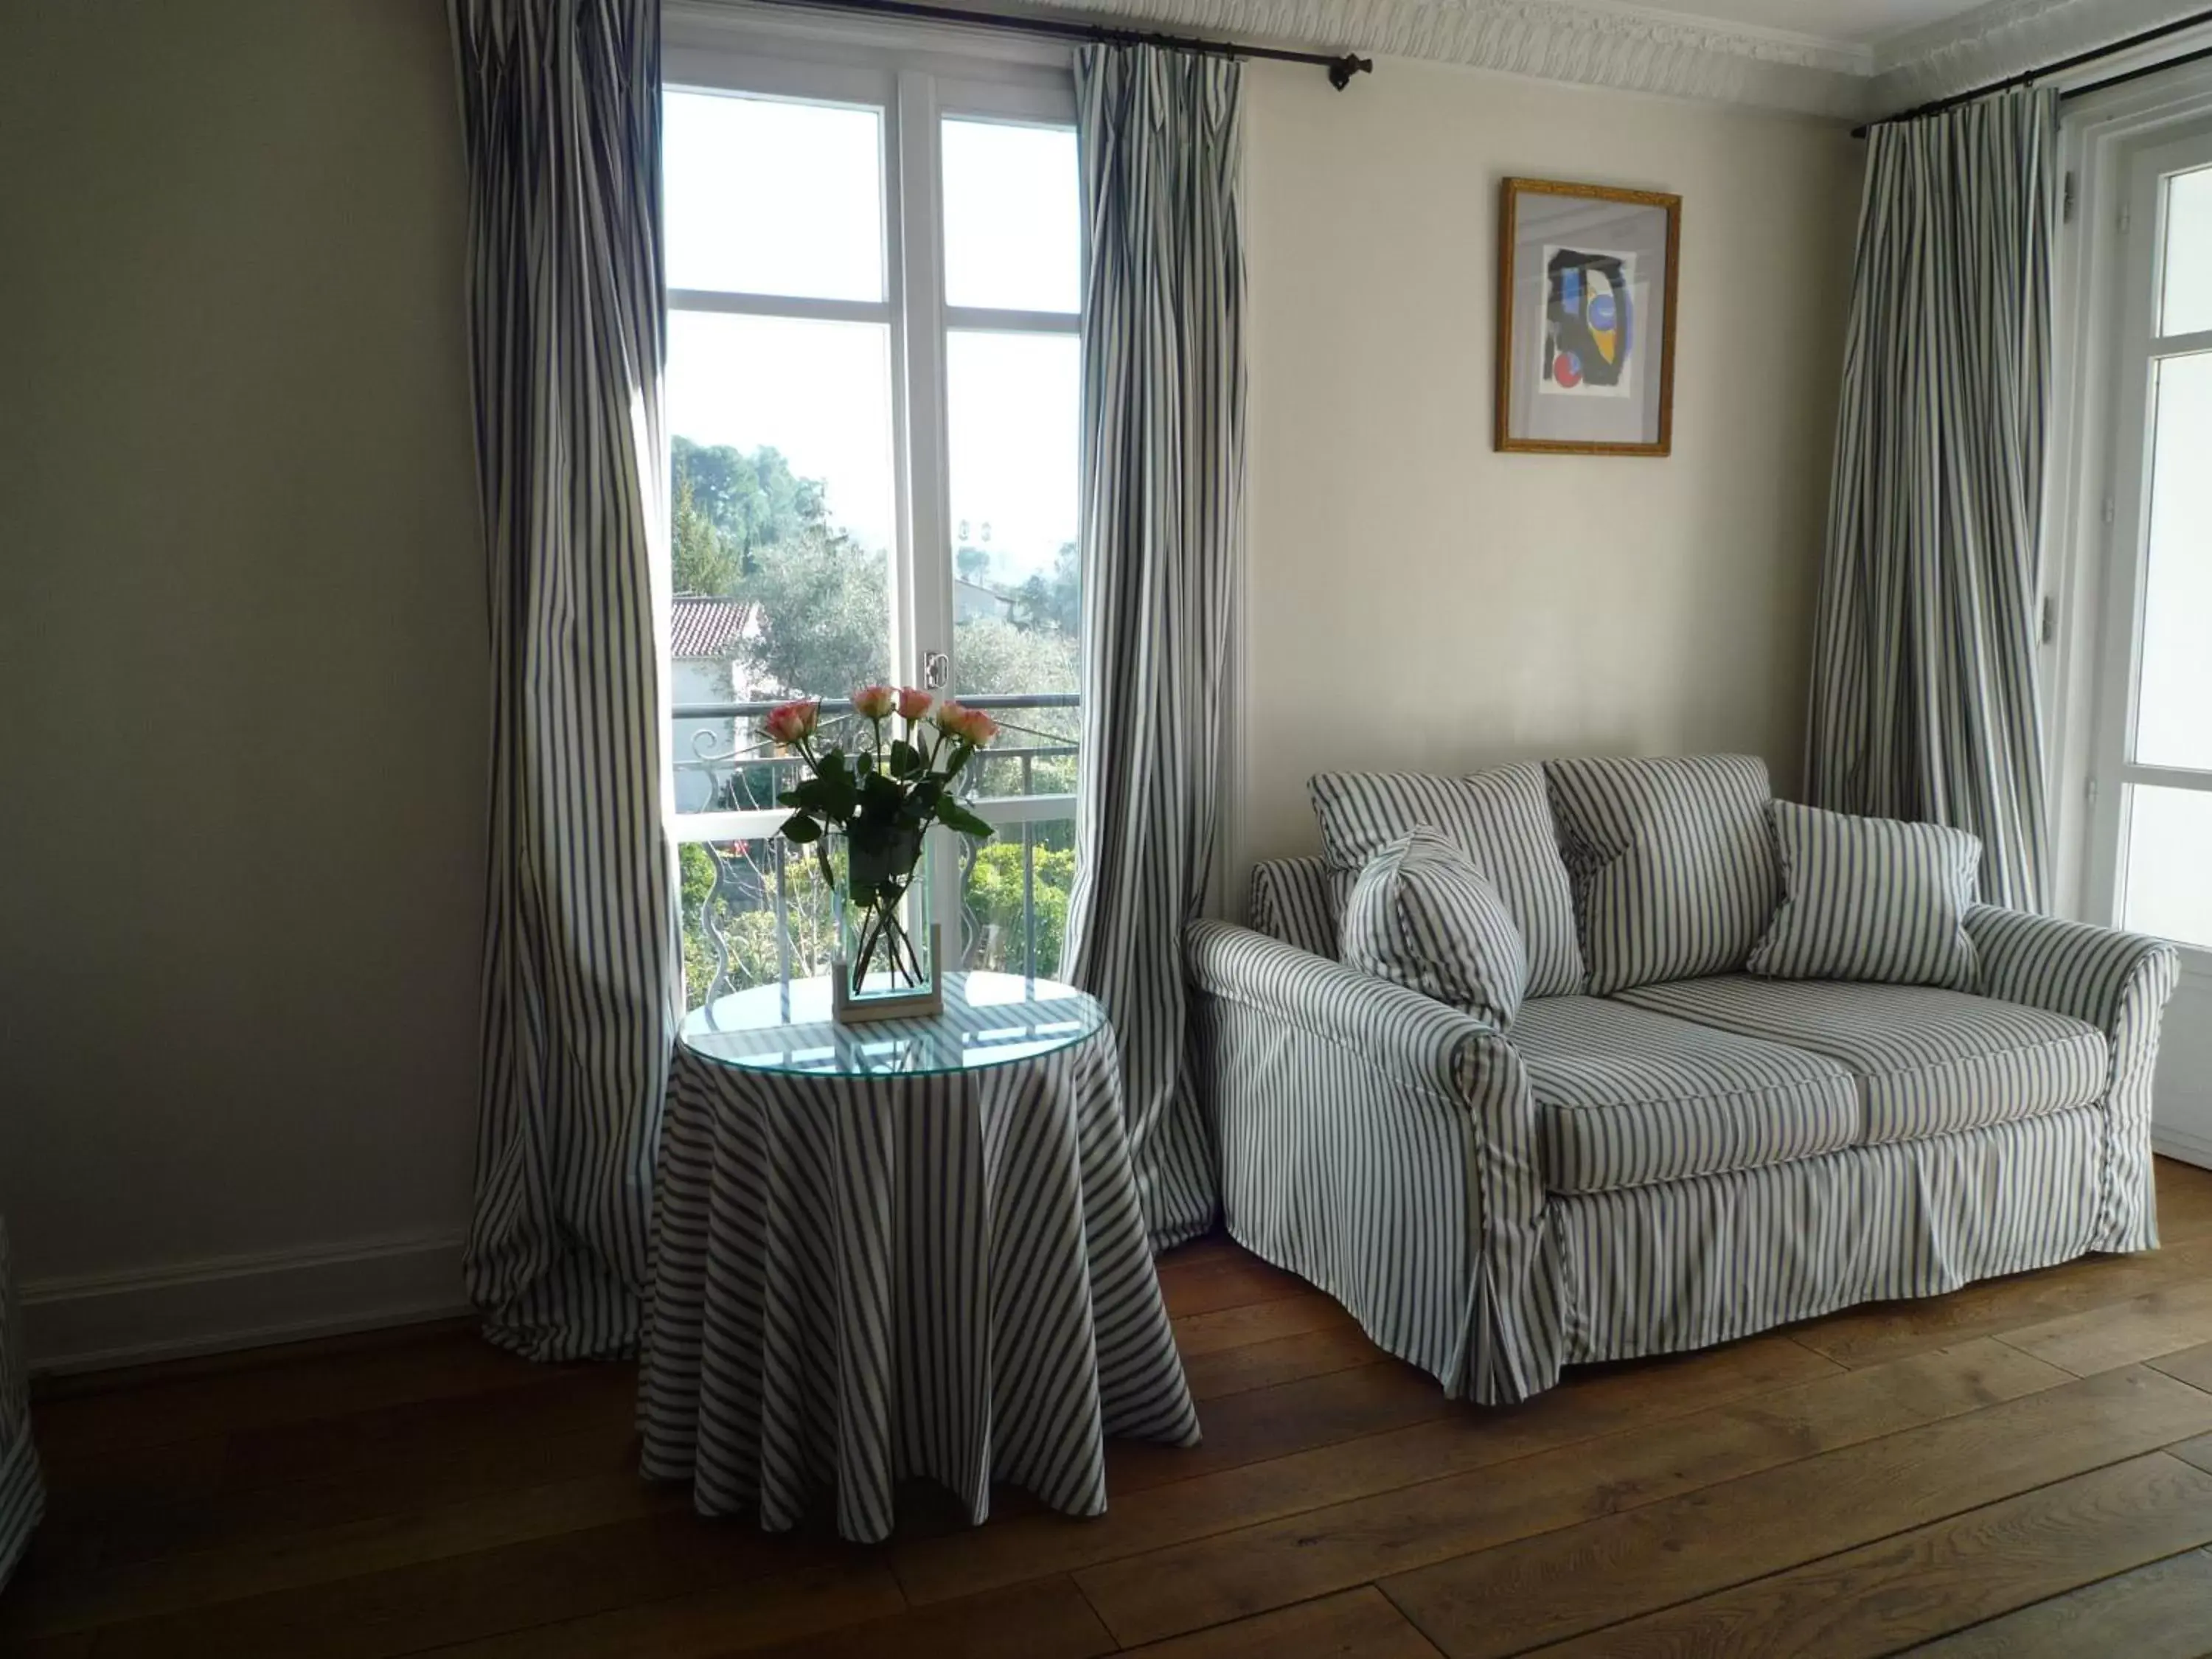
(755, 912)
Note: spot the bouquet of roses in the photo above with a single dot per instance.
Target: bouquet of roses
(881, 795)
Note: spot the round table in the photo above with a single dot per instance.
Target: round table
(906, 1248)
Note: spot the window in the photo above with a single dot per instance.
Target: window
(2151, 775)
(874, 276)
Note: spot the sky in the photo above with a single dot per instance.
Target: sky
(772, 197)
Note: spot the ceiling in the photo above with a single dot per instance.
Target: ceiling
(1847, 22)
(1844, 59)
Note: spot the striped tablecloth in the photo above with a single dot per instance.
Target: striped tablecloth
(862, 1279)
(22, 1498)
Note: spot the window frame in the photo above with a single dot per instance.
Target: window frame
(917, 76)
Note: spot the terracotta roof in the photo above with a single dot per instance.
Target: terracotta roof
(705, 625)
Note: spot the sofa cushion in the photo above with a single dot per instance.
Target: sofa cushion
(1672, 863)
(1928, 1061)
(1625, 1097)
(1869, 899)
(1422, 916)
(1291, 900)
(1500, 819)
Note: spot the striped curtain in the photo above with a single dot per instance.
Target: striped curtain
(561, 109)
(22, 1498)
(1163, 514)
(1924, 702)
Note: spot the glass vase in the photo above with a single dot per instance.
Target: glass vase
(887, 955)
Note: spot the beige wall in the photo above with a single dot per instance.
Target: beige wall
(242, 675)
(242, 660)
(1418, 601)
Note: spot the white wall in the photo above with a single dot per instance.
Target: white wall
(1416, 600)
(242, 668)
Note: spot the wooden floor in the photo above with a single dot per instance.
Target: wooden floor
(2024, 1468)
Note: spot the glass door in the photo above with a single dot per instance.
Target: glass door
(1012, 266)
(2153, 783)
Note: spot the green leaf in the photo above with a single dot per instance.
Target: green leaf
(800, 829)
(953, 815)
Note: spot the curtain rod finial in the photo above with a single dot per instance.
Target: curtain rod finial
(1341, 69)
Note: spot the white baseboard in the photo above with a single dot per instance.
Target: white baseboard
(2181, 1143)
(93, 1321)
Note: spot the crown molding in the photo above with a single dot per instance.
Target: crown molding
(2007, 38)
(1596, 43)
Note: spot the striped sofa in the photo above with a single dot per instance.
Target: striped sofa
(1672, 1162)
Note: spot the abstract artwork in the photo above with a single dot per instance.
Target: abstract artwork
(1589, 322)
(1585, 341)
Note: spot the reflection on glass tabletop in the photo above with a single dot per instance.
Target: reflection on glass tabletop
(990, 1019)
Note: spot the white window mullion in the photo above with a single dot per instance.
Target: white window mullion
(2166, 777)
(989, 321)
(928, 573)
(778, 305)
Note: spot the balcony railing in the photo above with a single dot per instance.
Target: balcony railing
(756, 911)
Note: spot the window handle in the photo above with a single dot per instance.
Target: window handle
(936, 669)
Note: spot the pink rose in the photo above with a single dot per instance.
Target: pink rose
(874, 702)
(791, 722)
(970, 725)
(913, 704)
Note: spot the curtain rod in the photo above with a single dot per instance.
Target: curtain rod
(1341, 66)
(2027, 76)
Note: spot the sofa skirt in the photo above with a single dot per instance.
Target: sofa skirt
(1688, 1264)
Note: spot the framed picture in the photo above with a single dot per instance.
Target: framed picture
(1586, 318)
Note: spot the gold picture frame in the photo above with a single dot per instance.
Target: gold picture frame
(1585, 388)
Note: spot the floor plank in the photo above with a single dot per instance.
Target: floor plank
(1257, 1424)
(939, 1568)
(107, 1413)
(2161, 1322)
(1358, 1624)
(2192, 1365)
(1167, 1592)
(1918, 1465)
(1867, 1336)
(2185, 1202)
(2162, 1611)
(1045, 1619)
(489, 1593)
(1937, 1578)
(1505, 1600)
(1222, 1372)
(1260, 1322)
(264, 1559)
(1228, 1278)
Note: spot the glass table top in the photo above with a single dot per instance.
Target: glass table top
(990, 1019)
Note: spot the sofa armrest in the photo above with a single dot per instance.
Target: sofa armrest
(2115, 981)
(2119, 983)
(1411, 1036)
(1383, 1145)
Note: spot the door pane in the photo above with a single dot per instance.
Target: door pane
(766, 195)
(1013, 236)
(1013, 897)
(2173, 709)
(2169, 867)
(1014, 400)
(2186, 305)
(754, 912)
(780, 454)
